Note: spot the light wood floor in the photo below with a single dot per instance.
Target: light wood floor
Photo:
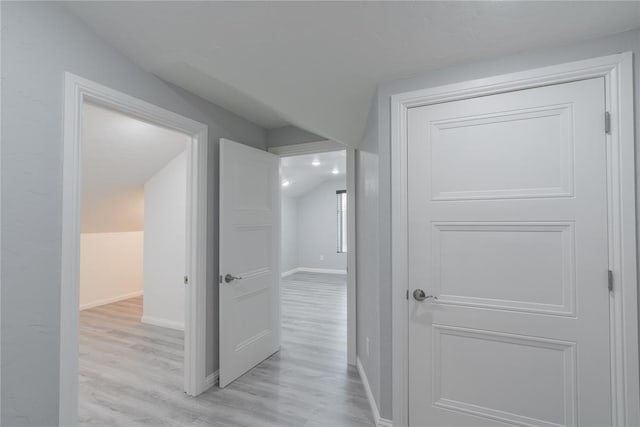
(131, 374)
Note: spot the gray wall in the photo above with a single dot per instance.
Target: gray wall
(309, 224)
(376, 145)
(290, 135)
(368, 253)
(289, 233)
(40, 41)
(317, 227)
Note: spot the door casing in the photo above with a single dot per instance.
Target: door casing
(78, 91)
(617, 71)
(323, 147)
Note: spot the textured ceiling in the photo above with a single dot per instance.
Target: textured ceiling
(316, 64)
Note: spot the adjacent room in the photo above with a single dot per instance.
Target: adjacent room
(314, 255)
(132, 259)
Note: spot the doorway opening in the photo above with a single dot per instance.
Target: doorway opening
(132, 260)
(314, 248)
(113, 204)
(300, 374)
(318, 234)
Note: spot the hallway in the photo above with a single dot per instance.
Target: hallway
(131, 374)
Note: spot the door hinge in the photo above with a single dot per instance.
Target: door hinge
(186, 280)
(607, 122)
(610, 280)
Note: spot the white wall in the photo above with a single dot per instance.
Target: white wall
(110, 267)
(289, 230)
(40, 42)
(164, 241)
(309, 229)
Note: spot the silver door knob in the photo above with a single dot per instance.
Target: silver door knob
(419, 295)
(230, 278)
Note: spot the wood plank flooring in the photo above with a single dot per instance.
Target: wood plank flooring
(131, 374)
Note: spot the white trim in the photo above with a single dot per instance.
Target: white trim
(323, 147)
(618, 74)
(379, 421)
(164, 323)
(290, 272)
(306, 148)
(106, 301)
(212, 379)
(320, 270)
(313, 270)
(367, 388)
(351, 257)
(77, 91)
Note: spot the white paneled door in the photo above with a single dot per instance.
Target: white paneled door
(249, 258)
(508, 260)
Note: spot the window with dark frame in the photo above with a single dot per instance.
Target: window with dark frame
(342, 220)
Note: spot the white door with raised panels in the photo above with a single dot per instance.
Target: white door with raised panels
(249, 258)
(508, 260)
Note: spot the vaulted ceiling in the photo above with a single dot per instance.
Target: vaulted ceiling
(119, 155)
(316, 64)
(301, 174)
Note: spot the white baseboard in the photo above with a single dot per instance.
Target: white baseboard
(312, 270)
(320, 270)
(156, 321)
(380, 422)
(290, 272)
(211, 380)
(106, 301)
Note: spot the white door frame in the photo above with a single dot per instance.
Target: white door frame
(78, 91)
(617, 71)
(323, 147)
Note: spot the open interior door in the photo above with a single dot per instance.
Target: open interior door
(249, 258)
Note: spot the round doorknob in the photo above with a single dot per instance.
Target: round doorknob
(420, 295)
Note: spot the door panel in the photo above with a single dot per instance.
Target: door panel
(497, 391)
(538, 165)
(250, 251)
(508, 229)
(529, 267)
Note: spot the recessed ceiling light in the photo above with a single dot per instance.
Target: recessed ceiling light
(316, 162)
(285, 183)
(335, 171)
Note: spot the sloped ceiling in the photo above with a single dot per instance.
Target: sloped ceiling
(316, 65)
(304, 173)
(119, 155)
